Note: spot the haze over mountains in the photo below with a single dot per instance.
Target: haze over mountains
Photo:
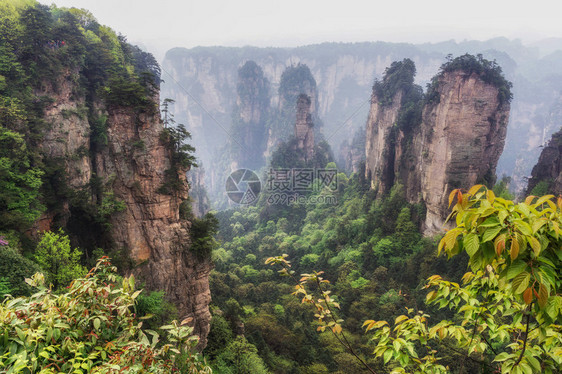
(203, 82)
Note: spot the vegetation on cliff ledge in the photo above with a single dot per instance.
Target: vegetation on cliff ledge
(489, 71)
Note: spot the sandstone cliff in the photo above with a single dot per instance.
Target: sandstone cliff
(344, 74)
(249, 119)
(304, 127)
(459, 142)
(380, 143)
(546, 176)
(453, 141)
(128, 167)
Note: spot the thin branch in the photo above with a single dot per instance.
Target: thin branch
(347, 345)
(470, 358)
(526, 335)
(344, 343)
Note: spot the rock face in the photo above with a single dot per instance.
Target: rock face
(298, 97)
(344, 74)
(548, 169)
(460, 141)
(304, 128)
(250, 115)
(380, 150)
(455, 143)
(131, 167)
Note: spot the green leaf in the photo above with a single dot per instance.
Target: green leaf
(387, 355)
(471, 244)
(521, 282)
(491, 233)
(97, 323)
(535, 244)
(523, 227)
(516, 268)
(502, 357)
(490, 222)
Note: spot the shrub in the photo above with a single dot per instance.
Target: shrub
(91, 327)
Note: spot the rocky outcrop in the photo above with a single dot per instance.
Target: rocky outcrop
(352, 152)
(200, 204)
(129, 167)
(296, 83)
(304, 128)
(548, 170)
(459, 142)
(249, 120)
(380, 141)
(454, 142)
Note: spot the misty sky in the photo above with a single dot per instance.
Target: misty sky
(163, 24)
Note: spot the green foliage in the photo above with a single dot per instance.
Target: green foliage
(5, 288)
(41, 50)
(501, 189)
(541, 189)
(19, 183)
(181, 160)
(240, 357)
(340, 239)
(60, 262)
(295, 80)
(509, 306)
(220, 336)
(90, 328)
(489, 71)
(399, 77)
(110, 205)
(203, 231)
(154, 309)
(14, 269)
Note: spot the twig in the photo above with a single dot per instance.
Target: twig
(526, 335)
(347, 345)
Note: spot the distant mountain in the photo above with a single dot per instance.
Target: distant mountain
(204, 80)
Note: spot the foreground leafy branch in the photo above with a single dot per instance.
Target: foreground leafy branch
(324, 305)
(90, 328)
(508, 307)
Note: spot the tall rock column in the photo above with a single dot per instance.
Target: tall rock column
(304, 128)
(150, 229)
(249, 118)
(548, 169)
(380, 150)
(460, 141)
(451, 137)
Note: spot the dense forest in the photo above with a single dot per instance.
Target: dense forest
(335, 277)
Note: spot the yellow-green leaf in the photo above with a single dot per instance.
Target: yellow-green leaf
(514, 250)
(471, 244)
(521, 282)
(535, 244)
(490, 233)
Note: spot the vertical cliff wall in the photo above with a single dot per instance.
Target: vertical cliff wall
(304, 127)
(131, 166)
(380, 143)
(460, 140)
(249, 118)
(546, 176)
(452, 138)
(394, 118)
(111, 176)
